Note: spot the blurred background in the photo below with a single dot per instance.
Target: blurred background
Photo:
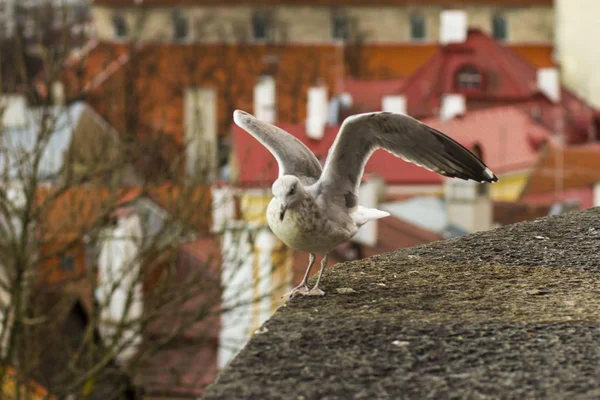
(136, 258)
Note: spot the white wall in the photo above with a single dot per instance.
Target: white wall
(575, 32)
(306, 24)
(265, 108)
(597, 194)
(223, 208)
(237, 281)
(465, 207)
(14, 108)
(265, 243)
(118, 280)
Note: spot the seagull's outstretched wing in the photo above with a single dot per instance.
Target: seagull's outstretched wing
(292, 156)
(401, 135)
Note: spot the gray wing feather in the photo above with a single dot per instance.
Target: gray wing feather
(292, 156)
(401, 135)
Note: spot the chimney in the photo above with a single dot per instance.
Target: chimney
(452, 106)
(394, 103)
(597, 194)
(316, 115)
(264, 99)
(468, 205)
(548, 83)
(58, 93)
(453, 26)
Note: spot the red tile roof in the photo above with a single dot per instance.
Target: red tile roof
(509, 138)
(506, 76)
(395, 233)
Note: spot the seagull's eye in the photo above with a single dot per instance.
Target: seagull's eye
(293, 190)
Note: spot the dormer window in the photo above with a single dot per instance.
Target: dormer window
(499, 27)
(468, 78)
(119, 26)
(340, 26)
(417, 27)
(261, 26)
(181, 26)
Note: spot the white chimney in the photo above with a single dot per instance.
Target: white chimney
(346, 100)
(264, 99)
(58, 93)
(453, 26)
(394, 103)
(597, 194)
(452, 105)
(548, 83)
(467, 206)
(13, 108)
(316, 112)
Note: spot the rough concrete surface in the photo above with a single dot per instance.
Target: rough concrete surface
(511, 313)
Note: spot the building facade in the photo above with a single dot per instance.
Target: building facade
(576, 23)
(525, 21)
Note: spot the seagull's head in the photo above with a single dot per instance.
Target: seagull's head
(289, 191)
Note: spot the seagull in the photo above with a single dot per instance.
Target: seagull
(315, 209)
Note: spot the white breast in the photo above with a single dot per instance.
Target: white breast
(304, 229)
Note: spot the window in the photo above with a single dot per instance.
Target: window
(499, 28)
(468, 78)
(181, 26)
(67, 263)
(417, 27)
(119, 26)
(339, 26)
(261, 29)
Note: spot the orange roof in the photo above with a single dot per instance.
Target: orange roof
(386, 61)
(35, 391)
(67, 215)
(580, 168)
(151, 83)
(538, 55)
(169, 3)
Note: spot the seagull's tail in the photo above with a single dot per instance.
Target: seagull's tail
(362, 215)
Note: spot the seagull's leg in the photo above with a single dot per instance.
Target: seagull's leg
(302, 288)
(315, 291)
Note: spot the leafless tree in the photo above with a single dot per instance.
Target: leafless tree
(110, 271)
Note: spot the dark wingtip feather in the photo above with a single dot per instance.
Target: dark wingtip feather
(489, 175)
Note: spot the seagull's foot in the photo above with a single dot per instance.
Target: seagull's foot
(300, 289)
(315, 292)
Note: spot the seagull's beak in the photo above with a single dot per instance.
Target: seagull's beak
(282, 211)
